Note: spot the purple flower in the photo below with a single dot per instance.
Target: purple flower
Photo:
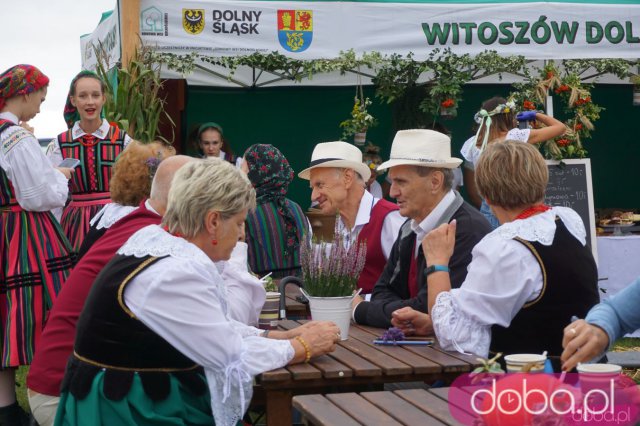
(393, 334)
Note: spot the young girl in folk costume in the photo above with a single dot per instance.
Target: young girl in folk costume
(212, 143)
(497, 120)
(35, 256)
(93, 141)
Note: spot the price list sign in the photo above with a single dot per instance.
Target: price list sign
(570, 185)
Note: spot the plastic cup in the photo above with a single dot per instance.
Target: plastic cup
(518, 363)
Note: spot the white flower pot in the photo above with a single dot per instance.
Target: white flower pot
(336, 309)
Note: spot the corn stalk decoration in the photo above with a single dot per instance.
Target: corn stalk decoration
(133, 101)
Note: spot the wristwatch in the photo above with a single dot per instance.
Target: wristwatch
(436, 268)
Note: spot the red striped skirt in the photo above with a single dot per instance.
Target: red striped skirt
(35, 259)
(77, 216)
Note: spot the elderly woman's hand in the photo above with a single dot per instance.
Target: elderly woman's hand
(439, 243)
(322, 338)
(582, 342)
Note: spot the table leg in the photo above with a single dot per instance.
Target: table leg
(279, 408)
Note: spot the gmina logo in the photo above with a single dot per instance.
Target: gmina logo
(153, 22)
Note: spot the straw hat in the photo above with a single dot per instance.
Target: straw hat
(420, 147)
(336, 154)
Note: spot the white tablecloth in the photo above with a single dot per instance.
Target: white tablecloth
(618, 264)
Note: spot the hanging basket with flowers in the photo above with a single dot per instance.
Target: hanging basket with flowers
(579, 108)
(359, 122)
(448, 108)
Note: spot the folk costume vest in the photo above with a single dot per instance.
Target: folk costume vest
(90, 180)
(569, 288)
(375, 260)
(110, 338)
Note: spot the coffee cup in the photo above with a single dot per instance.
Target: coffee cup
(270, 313)
(525, 363)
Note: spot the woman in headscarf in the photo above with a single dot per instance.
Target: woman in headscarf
(93, 141)
(159, 311)
(275, 227)
(35, 256)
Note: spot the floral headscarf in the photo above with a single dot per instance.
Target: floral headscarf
(70, 113)
(270, 174)
(20, 79)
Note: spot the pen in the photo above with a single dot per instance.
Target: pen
(403, 342)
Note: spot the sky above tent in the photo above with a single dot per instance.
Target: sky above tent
(46, 33)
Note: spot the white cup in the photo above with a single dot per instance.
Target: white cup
(516, 362)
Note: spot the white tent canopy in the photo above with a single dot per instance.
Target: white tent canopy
(305, 30)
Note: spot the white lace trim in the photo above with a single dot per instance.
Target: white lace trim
(542, 227)
(152, 240)
(456, 330)
(110, 214)
(233, 388)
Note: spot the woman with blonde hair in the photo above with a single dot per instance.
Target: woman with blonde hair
(159, 311)
(130, 185)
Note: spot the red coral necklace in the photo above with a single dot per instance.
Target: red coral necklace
(533, 210)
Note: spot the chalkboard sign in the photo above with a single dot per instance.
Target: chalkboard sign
(570, 186)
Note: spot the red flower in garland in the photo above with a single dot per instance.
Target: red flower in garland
(550, 74)
(578, 127)
(563, 142)
(447, 103)
(582, 101)
(562, 88)
(528, 105)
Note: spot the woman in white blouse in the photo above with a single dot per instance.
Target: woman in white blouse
(35, 256)
(526, 279)
(159, 311)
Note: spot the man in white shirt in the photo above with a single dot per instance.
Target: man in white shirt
(421, 173)
(337, 177)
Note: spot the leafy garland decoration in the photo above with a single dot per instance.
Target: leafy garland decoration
(443, 76)
(578, 106)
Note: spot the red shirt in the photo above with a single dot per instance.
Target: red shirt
(56, 343)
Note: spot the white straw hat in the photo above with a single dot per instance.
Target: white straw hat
(420, 147)
(337, 154)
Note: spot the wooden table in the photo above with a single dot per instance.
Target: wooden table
(402, 407)
(357, 365)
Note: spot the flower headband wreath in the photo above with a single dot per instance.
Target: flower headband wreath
(153, 163)
(485, 116)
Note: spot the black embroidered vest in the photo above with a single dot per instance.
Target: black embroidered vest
(570, 287)
(110, 337)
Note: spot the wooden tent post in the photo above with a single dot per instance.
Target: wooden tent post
(129, 28)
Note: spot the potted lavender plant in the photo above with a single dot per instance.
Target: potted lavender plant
(330, 273)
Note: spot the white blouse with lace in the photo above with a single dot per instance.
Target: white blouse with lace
(503, 275)
(110, 214)
(36, 184)
(471, 153)
(182, 298)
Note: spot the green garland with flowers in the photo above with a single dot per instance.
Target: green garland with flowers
(580, 109)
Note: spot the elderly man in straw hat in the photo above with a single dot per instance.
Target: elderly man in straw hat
(421, 173)
(337, 177)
